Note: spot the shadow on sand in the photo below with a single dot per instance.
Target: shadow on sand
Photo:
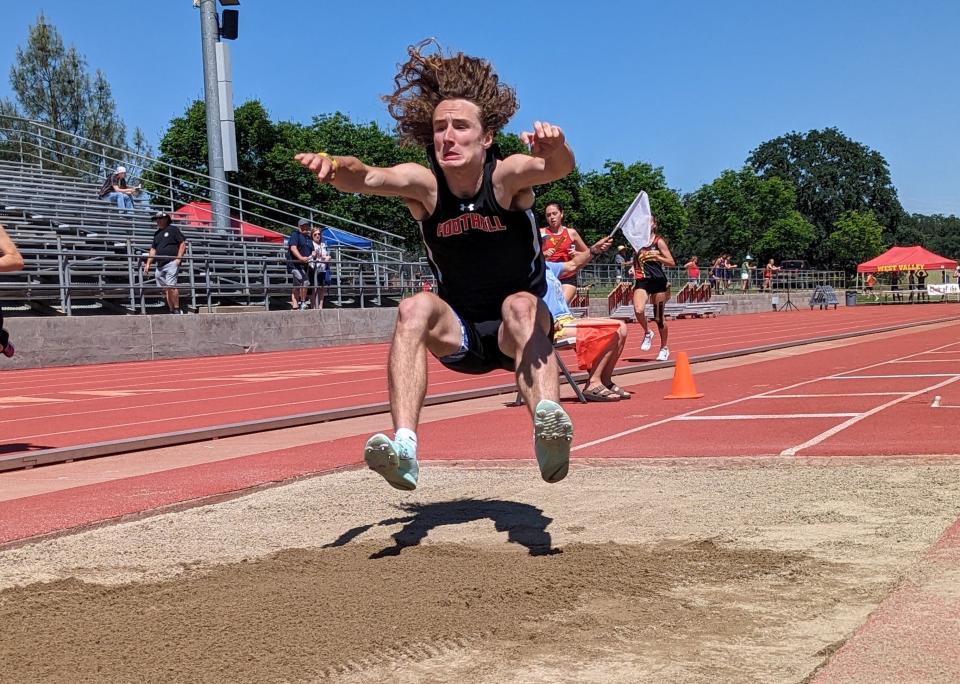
(524, 524)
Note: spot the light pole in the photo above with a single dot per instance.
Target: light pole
(219, 196)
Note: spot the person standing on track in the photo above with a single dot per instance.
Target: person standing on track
(482, 243)
(561, 244)
(10, 260)
(652, 285)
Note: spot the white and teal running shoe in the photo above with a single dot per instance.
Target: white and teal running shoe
(552, 439)
(395, 460)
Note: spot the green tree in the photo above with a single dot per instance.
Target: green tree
(741, 213)
(605, 196)
(938, 233)
(52, 85)
(857, 237)
(832, 175)
(786, 237)
(265, 151)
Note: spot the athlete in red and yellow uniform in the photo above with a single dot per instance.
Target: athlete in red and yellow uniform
(560, 244)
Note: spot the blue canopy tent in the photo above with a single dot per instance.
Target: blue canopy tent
(335, 237)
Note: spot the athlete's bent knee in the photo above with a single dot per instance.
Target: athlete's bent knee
(414, 312)
(519, 308)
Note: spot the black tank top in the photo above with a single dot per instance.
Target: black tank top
(651, 269)
(479, 252)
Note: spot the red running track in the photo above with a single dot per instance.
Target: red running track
(58, 407)
(870, 398)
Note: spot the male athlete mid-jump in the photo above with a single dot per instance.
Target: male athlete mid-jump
(483, 245)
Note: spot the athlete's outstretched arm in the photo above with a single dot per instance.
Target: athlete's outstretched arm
(10, 259)
(581, 259)
(349, 174)
(550, 159)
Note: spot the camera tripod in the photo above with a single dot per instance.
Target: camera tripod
(788, 304)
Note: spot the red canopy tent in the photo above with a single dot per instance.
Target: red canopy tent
(906, 259)
(199, 215)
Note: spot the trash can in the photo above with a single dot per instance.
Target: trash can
(775, 301)
(851, 298)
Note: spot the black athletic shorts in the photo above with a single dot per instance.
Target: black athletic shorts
(652, 285)
(572, 280)
(483, 353)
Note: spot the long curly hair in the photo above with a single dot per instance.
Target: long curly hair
(426, 80)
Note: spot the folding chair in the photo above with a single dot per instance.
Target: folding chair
(565, 343)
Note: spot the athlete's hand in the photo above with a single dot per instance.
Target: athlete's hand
(319, 164)
(544, 140)
(549, 252)
(601, 245)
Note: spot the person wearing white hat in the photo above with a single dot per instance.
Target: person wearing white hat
(115, 189)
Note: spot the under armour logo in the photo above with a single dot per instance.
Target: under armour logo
(466, 207)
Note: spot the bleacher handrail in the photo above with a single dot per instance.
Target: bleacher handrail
(123, 156)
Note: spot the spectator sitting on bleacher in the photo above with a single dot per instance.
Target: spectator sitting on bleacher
(168, 248)
(299, 251)
(115, 189)
(599, 385)
(10, 260)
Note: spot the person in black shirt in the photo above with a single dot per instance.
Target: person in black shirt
(483, 247)
(922, 286)
(167, 248)
(652, 285)
(115, 189)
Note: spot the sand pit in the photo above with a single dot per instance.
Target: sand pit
(730, 570)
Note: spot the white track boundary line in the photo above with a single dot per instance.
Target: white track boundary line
(838, 394)
(908, 375)
(662, 421)
(928, 360)
(763, 416)
(792, 451)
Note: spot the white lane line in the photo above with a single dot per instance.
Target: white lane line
(662, 421)
(760, 416)
(792, 451)
(838, 394)
(872, 377)
(927, 360)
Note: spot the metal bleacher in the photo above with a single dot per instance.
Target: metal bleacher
(83, 254)
(695, 301)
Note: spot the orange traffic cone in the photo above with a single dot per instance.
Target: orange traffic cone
(683, 386)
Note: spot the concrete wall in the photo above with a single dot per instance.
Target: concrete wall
(754, 302)
(65, 341)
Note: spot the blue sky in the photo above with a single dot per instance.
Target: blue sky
(689, 85)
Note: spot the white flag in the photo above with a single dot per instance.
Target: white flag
(637, 222)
